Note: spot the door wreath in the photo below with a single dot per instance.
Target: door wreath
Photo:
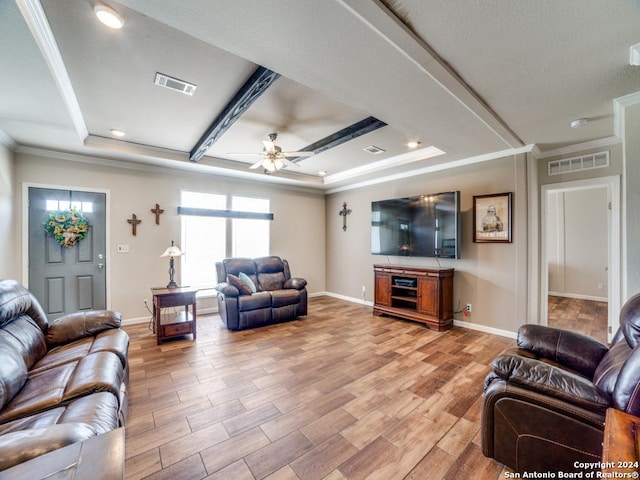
(68, 227)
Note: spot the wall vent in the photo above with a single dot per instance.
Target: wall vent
(576, 164)
(373, 149)
(174, 84)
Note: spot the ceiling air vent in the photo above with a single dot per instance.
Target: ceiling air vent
(174, 84)
(575, 164)
(373, 149)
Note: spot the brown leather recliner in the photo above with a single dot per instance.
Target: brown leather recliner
(545, 402)
(277, 297)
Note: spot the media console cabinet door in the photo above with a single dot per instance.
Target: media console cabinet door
(429, 296)
(383, 289)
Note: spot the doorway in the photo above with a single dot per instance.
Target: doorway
(67, 279)
(605, 276)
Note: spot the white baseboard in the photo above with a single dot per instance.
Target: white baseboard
(343, 297)
(457, 323)
(485, 329)
(135, 321)
(579, 297)
(147, 319)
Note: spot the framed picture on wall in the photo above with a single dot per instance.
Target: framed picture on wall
(492, 218)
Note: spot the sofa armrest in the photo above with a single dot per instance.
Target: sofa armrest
(81, 324)
(577, 352)
(297, 283)
(549, 380)
(227, 289)
(20, 446)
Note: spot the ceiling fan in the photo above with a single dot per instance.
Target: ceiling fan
(274, 158)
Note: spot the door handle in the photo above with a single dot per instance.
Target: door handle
(101, 264)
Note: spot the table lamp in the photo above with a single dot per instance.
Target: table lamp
(171, 252)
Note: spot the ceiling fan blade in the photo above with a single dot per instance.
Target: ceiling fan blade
(269, 146)
(256, 165)
(298, 154)
(288, 163)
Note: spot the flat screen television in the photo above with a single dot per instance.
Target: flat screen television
(420, 226)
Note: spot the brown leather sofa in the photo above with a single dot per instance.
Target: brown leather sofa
(277, 298)
(61, 381)
(545, 402)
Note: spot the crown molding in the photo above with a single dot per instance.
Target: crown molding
(436, 168)
(168, 166)
(8, 141)
(38, 24)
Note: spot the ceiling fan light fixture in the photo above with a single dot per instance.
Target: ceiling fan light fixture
(108, 16)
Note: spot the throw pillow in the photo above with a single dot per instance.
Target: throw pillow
(245, 278)
(239, 284)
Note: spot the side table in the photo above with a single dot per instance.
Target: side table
(169, 324)
(620, 446)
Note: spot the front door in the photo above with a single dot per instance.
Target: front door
(67, 279)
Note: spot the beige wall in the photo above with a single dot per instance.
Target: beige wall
(297, 231)
(493, 277)
(9, 263)
(577, 252)
(632, 188)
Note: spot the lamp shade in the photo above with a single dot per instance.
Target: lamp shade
(172, 251)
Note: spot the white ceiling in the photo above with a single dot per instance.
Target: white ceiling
(471, 78)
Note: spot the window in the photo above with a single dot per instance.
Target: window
(216, 235)
(203, 239)
(85, 207)
(250, 236)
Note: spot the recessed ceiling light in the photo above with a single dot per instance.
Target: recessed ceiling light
(580, 122)
(413, 144)
(108, 16)
(117, 133)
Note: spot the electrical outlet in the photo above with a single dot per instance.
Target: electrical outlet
(364, 290)
(601, 286)
(468, 308)
(144, 302)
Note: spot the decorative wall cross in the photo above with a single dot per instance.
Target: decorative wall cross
(157, 211)
(343, 213)
(134, 223)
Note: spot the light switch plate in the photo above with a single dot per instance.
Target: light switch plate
(123, 248)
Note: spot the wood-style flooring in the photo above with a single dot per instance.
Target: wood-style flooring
(588, 317)
(340, 394)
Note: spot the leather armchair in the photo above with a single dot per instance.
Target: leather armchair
(545, 401)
